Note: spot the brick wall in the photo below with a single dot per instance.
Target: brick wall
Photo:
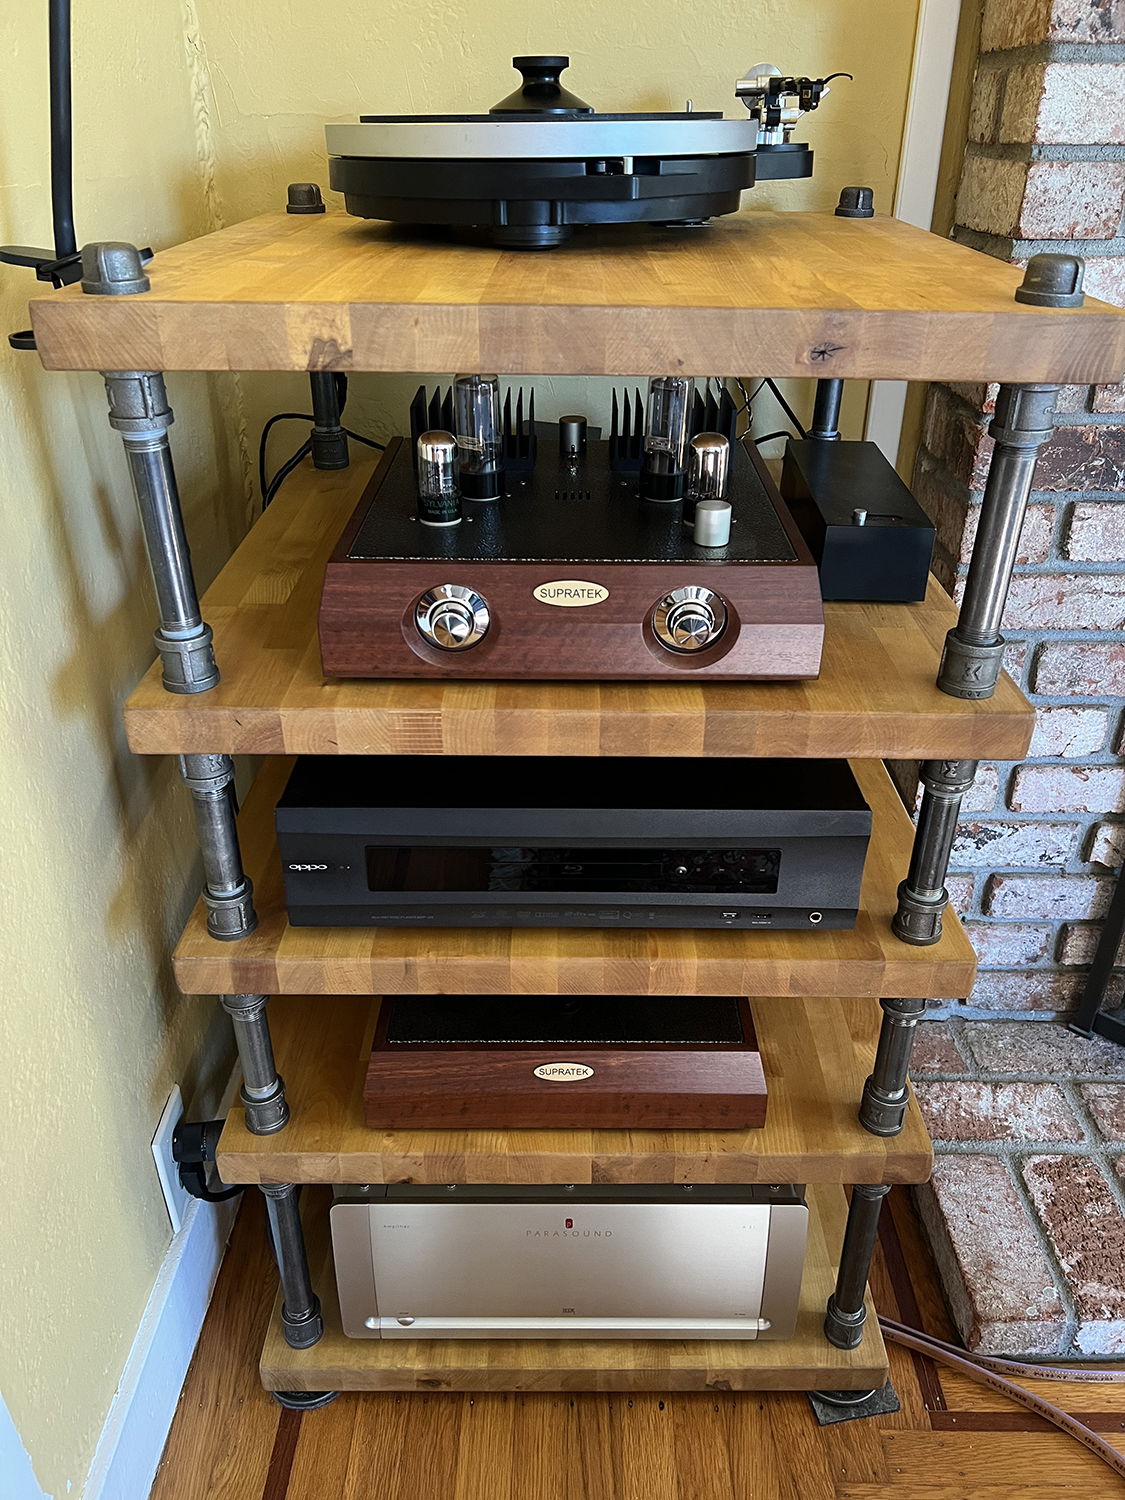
(1044, 169)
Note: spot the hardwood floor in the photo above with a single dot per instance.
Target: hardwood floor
(952, 1440)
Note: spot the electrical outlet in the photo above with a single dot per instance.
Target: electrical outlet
(176, 1196)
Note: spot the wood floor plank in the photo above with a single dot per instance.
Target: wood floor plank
(993, 1458)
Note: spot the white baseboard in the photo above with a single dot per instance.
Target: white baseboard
(144, 1404)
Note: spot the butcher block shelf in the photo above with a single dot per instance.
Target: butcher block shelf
(804, 1362)
(278, 959)
(797, 294)
(816, 1054)
(876, 694)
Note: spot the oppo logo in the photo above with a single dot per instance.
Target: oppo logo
(570, 593)
(563, 1072)
(306, 867)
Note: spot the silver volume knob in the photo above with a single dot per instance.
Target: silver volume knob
(452, 617)
(689, 619)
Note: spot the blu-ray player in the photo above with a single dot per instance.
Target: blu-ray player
(460, 841)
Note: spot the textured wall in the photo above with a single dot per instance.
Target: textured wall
(270, 85)
(98, 852)
(1044, 169)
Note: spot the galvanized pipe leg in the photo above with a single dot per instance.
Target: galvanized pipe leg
(227, 891)
(922, 897)
(300, 1306)
(826, 411)
(263, 1090)
(885, 1094)
(846, 1315)
(974, 648)
(139, 411)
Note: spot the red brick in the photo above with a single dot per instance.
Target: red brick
(1106, 1103)
(997, 1279)
(1066, 601)
(1086, 21)
(1040, 1049)
(1105, 279)
(992, 194)
(984, 109)
(1020, 23)
(982, 795)
(1079, 669)
(1021, 990)
(1073, 398)
(1053, 789)
(1012, 845)
(1079, 941)
(936, 1051)
(1047, 896)
(1064, 103)
(1067, 731)
(1071, 200)
(957, 438)
(1086, 1228)
(1107, 845)
(1108, 397)
(960, 888)
(1082, 458)
(1007, 945)
(1015, 659)
(975, 1110)
(980, 397)
(1095, 532)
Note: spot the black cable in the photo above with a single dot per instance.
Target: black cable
(769, 437)
(786, 408)
(62, 128)
(282, 416)
(367, 442)
(284, 472)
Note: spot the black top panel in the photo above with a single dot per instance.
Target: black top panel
(578, 514)
(600, 1020)
(380, 782)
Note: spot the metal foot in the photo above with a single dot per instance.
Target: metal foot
(886, 1094)
(846, 1314)
(304, 1400)
(848, 1406)
(139, 411)
(974, 648)
(227, 892)
(263, 1090)
(300, 1306)
(922, 896)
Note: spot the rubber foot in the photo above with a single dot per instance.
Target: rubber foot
(304, 1400)
(831, 1407)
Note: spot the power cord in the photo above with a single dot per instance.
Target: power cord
(269, 487)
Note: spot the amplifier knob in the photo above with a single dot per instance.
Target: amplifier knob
(689, 619)
(452, 617)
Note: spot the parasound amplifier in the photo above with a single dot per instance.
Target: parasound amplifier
(663, 1262)
(439, 841)
(663, 550)
(526, 1062)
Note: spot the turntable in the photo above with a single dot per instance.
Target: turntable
(543, 161)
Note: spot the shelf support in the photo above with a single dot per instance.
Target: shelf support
(263, 1089)
(922, 896)
(974, 648)
(886, 1093)
(846, 1315)
(139, 411)
(228, 892)
(300, 1306)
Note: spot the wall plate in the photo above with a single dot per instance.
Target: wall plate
(176, 1196)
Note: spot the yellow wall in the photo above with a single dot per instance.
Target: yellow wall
(191, 115)
(98, 849)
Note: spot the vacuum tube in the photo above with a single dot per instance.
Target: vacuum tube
(666, 435)
(476, 422)
(439, 501)
(708, 463)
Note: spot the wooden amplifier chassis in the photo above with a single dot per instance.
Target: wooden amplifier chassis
(775, 628)
(658, 1086)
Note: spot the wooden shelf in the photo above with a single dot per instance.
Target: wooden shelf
(794, 294)
(278, 959)
(875, 695)
(805, 1362)
(816, 1054)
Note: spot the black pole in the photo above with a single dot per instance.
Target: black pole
(62, 128)
(826, 411)
(329, 440)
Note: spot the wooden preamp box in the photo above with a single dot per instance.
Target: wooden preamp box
(570, 574)
(487, 1062)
